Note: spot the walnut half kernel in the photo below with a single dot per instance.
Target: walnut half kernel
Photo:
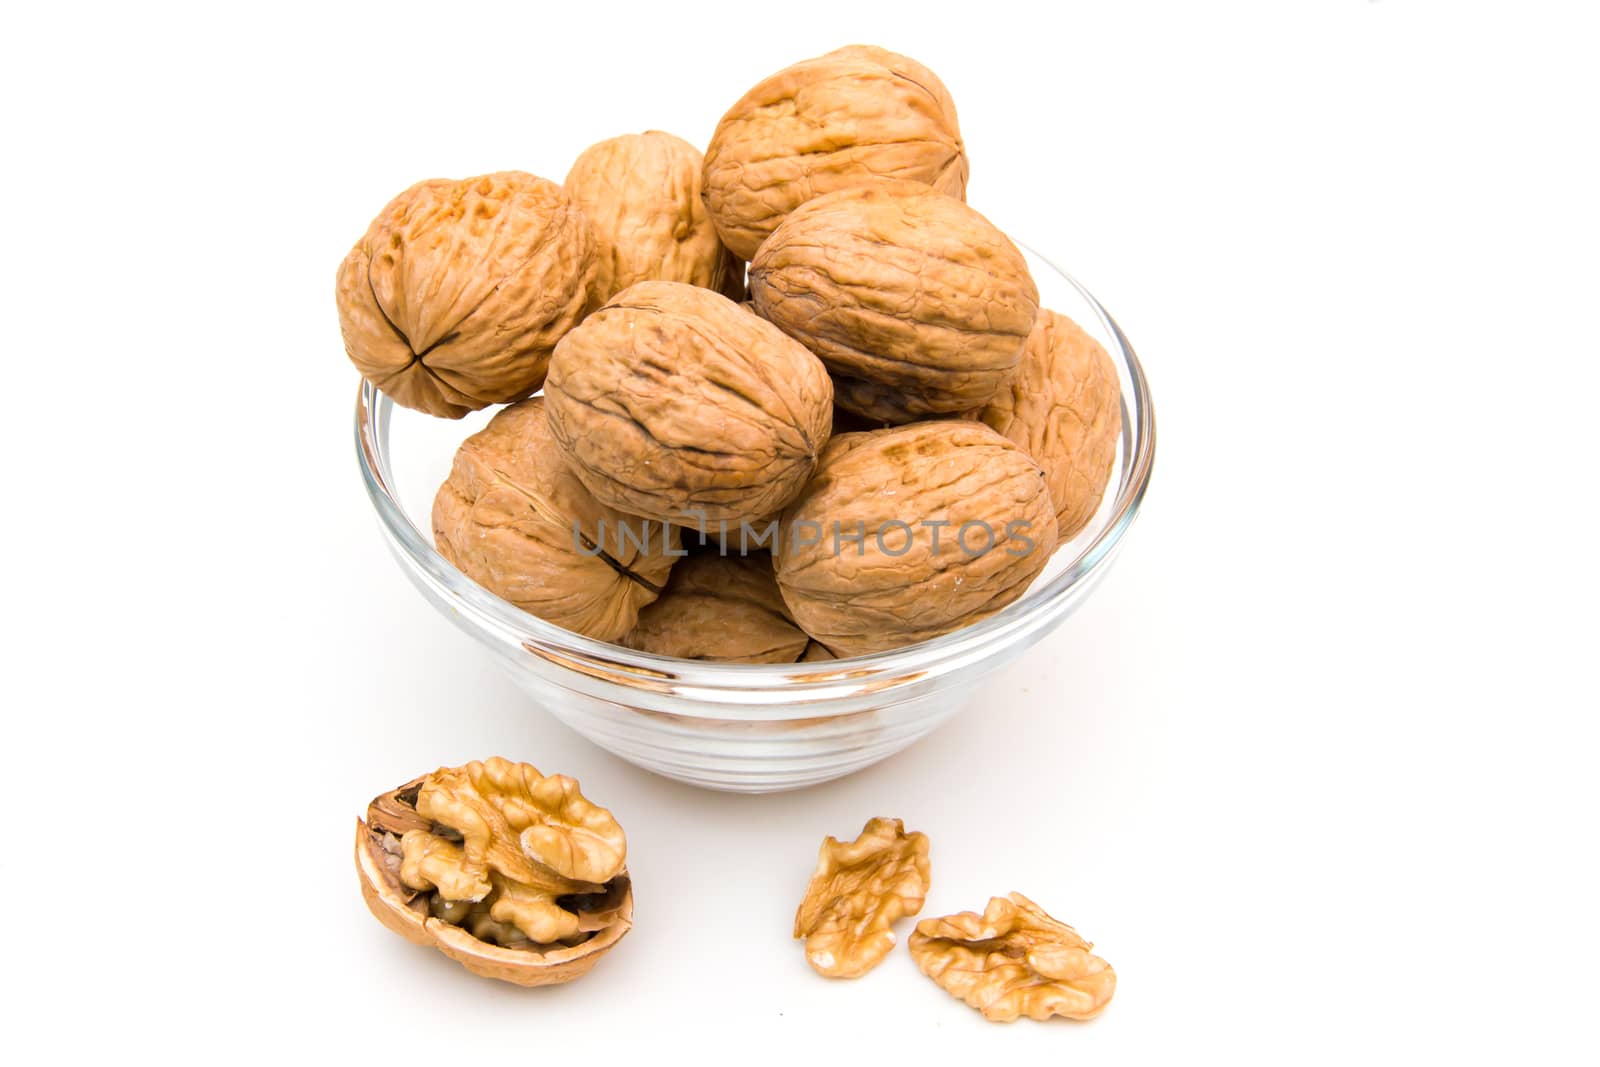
(511, 873)
(1014, 960)
(858, 891)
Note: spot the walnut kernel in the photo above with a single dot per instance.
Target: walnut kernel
(858, 891)
(1014, 960)
(513, 874)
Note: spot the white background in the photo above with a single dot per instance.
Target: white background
(1315, 768)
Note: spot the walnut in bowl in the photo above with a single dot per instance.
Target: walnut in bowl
(1063, 406)
(641, 194)
(516, 520)
(855, 116)
(457, 293)
(725, 608)
(675, 404)
(917, 304)
(913, 532)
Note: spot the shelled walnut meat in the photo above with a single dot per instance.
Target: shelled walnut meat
(912, 532)
(724, 608)
(917, 304)
(459, 290)
(641, 195)
(860, 888)
(513, 874)
(1014, 960)
(515, 519)
(675, 404)
(854, 116)
(1064, 406)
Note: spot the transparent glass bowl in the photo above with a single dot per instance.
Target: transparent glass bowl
(749, 729)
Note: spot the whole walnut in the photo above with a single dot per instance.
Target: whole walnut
(915, 302)
(514, 519)
(641, 195)
(674, 403)
(852, 117)
(459, 290)
(724, 608)
(1064, 406)
(912, 532)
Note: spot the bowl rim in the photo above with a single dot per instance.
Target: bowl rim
(788, 684)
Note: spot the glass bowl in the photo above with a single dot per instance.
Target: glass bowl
(739, 727)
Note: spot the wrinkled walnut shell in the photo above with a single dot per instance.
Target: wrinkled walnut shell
(405, 910)
(854, 116)
(917, 304)
(673, 403)
(1064, 406)
(458, 292)
(506, 518)
(722, 608)
(641, 195)
(899, 586)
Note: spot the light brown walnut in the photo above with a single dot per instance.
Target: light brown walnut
(513, 874)
(912, 532)
(860, 889)
(458, 292)
(1064, 406)
(917, 304)
(1014, 960)
(675, 404)
(515, 519)
(854, 116)
(641, 195)
(723, 608)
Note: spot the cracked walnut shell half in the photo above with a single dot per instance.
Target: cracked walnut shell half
(1014, 960)
(511, 873)
(458, 292)
(1064, 406)
(856, 115)
(641, 195)
(673, 403)
(514, 519)
(859, 890)
(917, 304)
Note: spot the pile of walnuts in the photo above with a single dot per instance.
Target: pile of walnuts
(701, 328)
